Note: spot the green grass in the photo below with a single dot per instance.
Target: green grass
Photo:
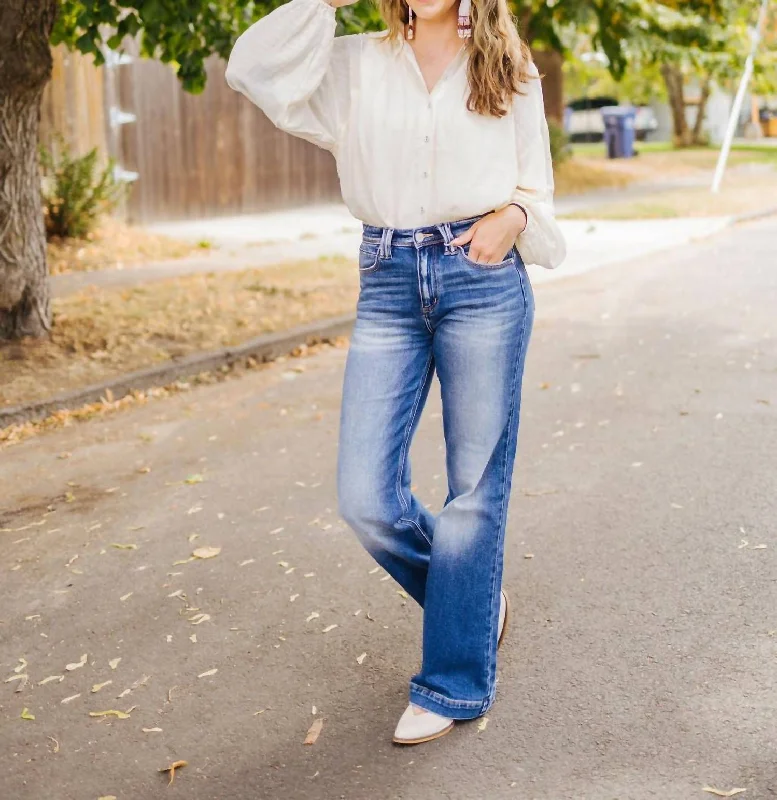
(758, 152)
(588, 149)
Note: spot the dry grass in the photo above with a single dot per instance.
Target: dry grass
(580, 175)
(589, 169)
(114, 244)
(740, 194)
(98, 334)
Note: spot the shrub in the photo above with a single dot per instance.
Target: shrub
(75, 192)
(560, 149)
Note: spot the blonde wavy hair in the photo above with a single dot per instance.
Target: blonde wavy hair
(498, 58)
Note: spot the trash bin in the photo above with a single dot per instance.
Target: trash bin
(619, 130)
(769, 122)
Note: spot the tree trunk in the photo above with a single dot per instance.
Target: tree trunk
(698, 128)
(550, 63)
(25, 69)
(675, 86)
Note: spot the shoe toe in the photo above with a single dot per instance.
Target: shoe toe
(414, 727)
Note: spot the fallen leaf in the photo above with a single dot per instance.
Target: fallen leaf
(312, 616)
(151, 730)
(184, 561)
(172, 768)
(373, 571)
(314, 731)
(329, 628)
(51, 678)
(198, 619)
(289, 570)
(96, 688)
(56, 743)
(176, 593)
(293, 598)
(403, 593)
(759, 547)
(206, 552)
(107, 797)
(721, 793)
(26, 714)
(193, 638)
(483, 724)
(246, 562)
(283, 564)
(124, 546)
(23, 681)
(126, 596)
(309, 575)
(315, 711)
(191, 480)
(528, 555)
(77, 664)
(22, 666)
(360, 659)
(68, 699)
(112, 712)
(113, 663)
(208, 673)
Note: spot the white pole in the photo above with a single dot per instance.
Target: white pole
(733, 120)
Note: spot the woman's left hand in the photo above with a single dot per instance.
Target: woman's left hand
(492, 236)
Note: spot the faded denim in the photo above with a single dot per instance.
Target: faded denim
(425, 306)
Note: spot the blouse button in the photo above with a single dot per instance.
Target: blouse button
(426, 139)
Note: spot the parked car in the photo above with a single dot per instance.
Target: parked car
(583, 121)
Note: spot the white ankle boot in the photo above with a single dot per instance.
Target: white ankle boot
(417, 725)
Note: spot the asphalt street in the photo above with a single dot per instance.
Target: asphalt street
(641, 561)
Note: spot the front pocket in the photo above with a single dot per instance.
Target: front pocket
(508, 262)
(369, 259)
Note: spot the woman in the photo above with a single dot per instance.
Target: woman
(438, 129)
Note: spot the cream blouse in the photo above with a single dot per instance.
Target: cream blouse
(406, 157)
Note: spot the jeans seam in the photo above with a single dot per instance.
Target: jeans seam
(403, 450)
(503, 507)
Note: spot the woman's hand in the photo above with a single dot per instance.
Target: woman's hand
(492, 236)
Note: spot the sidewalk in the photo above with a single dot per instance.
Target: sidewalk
(258, 240)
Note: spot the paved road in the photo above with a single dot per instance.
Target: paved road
(643, 654)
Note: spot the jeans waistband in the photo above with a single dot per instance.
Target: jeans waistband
(442, 233)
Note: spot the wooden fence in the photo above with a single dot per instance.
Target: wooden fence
(73, 104)
(213, 153)
(196, 156)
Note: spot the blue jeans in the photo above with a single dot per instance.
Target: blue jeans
(424, 306)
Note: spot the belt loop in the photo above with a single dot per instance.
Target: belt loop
(447, 237)
(384, 251)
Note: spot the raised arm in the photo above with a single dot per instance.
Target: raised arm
(542, 242)
(292, 67)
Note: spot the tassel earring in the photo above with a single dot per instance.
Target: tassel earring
(410, 23)
(465, 20)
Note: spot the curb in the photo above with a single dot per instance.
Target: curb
(262, 348)
(754, 215)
